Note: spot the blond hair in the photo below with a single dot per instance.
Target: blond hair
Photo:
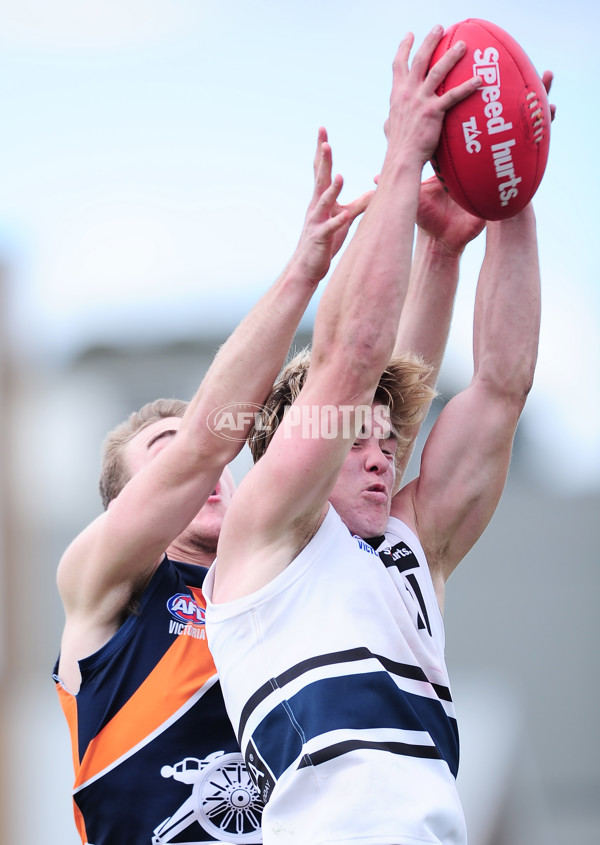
(114, 473)
(402, 388)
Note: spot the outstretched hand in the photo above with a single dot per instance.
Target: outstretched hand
(327, 221)
(443, 219)
(416, 109)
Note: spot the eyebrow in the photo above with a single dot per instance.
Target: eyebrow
(168, 432)
(391, 435)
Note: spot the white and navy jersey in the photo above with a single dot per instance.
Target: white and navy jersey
(334, 679)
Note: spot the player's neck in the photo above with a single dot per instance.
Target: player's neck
(198, 552)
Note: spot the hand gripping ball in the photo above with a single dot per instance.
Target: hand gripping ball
(494, 144)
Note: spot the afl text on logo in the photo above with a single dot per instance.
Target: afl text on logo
(233, 421)
(188, 616)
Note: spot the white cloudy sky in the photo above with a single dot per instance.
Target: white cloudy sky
(156, 155)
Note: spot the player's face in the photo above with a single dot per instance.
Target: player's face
(150, 441)
(363, 491)
(207, 524)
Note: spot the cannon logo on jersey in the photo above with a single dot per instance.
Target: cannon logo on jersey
(224, 802)
(185, 609)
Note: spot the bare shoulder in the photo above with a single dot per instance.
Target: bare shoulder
(403, 505)
(96, 578)
(95, 603)
(272, 517)
(407, 506)
(259, 539)
(463, 470)
(73, 569)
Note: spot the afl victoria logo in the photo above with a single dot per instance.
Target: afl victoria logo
(185, 609)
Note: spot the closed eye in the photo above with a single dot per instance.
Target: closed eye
(169, 432)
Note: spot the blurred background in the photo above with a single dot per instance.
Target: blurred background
(155, 168)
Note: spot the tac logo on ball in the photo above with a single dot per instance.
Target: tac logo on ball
(494, 145)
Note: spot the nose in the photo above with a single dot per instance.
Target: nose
(375, 459)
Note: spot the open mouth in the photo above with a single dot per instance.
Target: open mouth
(377, 492)
(216, 494)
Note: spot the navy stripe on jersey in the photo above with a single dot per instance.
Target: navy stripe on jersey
(417, 591)
(323, 755)
(369, 701)
(403, 670)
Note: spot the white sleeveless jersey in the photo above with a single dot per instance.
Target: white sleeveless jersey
(334, 679)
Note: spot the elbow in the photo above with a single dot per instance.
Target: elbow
(508, 387)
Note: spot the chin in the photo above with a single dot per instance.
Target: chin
(364, 524)
(371, 527)
(206, 528)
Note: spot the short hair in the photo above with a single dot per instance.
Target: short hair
(114, 473)
(402, 388)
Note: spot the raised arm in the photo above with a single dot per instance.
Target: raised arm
(354, 335)
(443, 231)
(120, 550)
(466, 458)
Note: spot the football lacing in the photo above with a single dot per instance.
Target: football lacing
(537, 117)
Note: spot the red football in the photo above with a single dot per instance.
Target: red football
(494, 145)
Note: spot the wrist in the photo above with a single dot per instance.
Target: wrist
(399, 167)
(298, 274)
(437, 248)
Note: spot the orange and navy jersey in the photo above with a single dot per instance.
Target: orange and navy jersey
(156, 760)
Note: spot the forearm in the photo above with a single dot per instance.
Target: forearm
(466, 458)
(245, 367)
(426, 315)
(507, 306)
(359, 311)
(427, 311)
